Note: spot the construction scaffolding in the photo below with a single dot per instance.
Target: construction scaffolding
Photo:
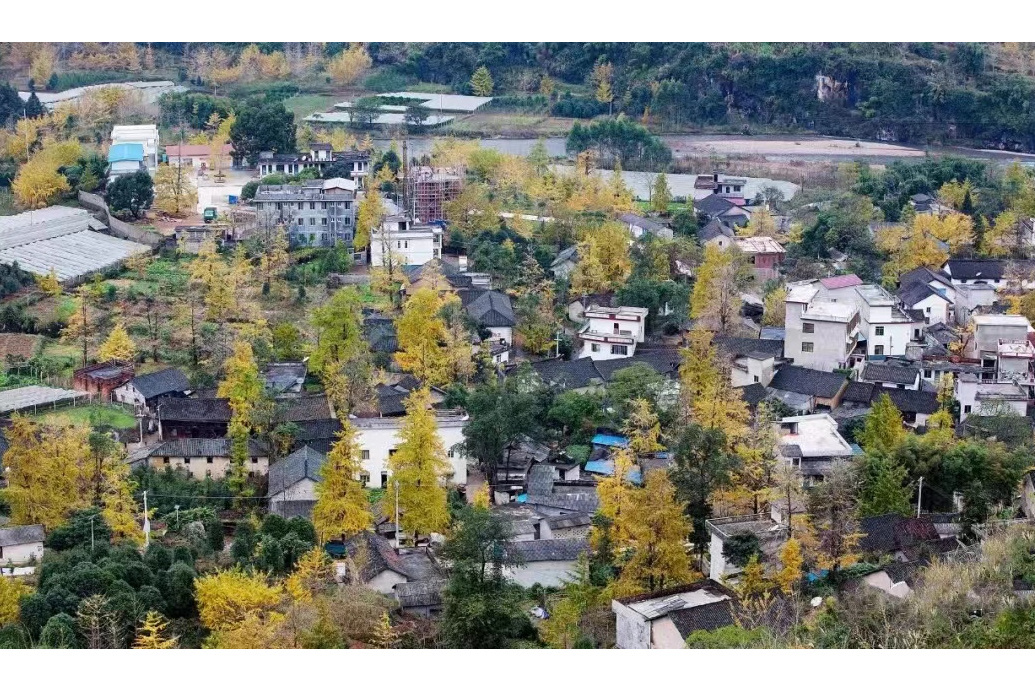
(430, 189)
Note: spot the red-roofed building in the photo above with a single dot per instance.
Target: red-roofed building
(837, 282)
(196, 155)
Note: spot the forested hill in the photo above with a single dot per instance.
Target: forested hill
(981, 94)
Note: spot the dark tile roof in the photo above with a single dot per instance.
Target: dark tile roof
(942, 333)
(380, 556)
(578, 373)
(576, 503)
(977, 269)
(753, 394)
(569, 254)
(738, 347)
(570, 520)
(488, 308)
(890, 373)
(924, 275)
(201, 448)
(665, 362)
(920, 402)
(706, 617)
(858, 392)
(540, 479)
(713, 205)
(822, 384)
(379, 333)
(538, 550)
(304, 409)
(290, 509)
(22, 534)
(285, 376)
(648, 224)
(195, 410)
(317, 429)
(914, 293)
(421, 593)
(714, 228)
(893, 532)
(162, 382)
(304, 463)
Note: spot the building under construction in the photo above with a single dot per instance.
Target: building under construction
(430, 189)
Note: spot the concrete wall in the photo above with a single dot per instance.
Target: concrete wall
(632, 631)
(413, 251)
(829, 349)
(894, 341)
(545, 573)
(935, 309)
(304, 490)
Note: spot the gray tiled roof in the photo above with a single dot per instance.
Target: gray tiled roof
(161, 383)
(713, 205)
(663, 361)
(858, 392)
(648, 224)
(578, 373)
(738, 347)
(304, 463)
(753, 394)
(23, 534)
(379, 555)
(195, 410)
(569, 254)
(285, 376)
(304, 409)
(422, 593)
(576, 503)
(890, 373)
(921, 402)
(918, 291)
(488, 307)
(570, 520)
(540, 479)
(924, 275)
(202, 447)
(717, 614)
(538, 550)
(822, 384)
(714, 228)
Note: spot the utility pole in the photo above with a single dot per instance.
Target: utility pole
(557, 339)
(397, 515)
(147, 524)
(91, 532)
(919, 494)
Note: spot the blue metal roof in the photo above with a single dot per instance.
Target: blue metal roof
(607, 468)
(126, 152)
(521, 498)
(609, 440)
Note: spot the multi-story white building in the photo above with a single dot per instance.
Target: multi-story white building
(612, 332)
(378, 438)
(992, 329)
(819, 334)
(317, 213)
(145, 135)
(886, 328)
(413, 244)
(987, 398)
(1015, 361)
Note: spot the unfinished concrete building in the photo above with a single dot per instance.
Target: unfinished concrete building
(430, 190)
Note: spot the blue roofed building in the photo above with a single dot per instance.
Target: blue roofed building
(125, 159)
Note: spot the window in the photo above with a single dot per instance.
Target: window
(255, 461)
(928, 310)
(927, 373)
(616, 328)
(966, 409)
(594, 347)
(807, 347)
(620, 350)
(451, 453)
(186, 461)
(756, 379)
(323, 221)
(365, 455)
(300, 205)
(208, 460)
(398, 244)
(901, 386)
(165, 461)
(323, 204)
(878, 349)
(384, 479)
(312, 205)
(406, 244)
(312, 221)
(879, 330)
(301, 221)
(808, 328)
(364, 478)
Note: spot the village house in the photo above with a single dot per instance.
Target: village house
(822, 388)
(410, 242)
(564, 263)
(753, 360)
(21, 545)
(933, 303)
(760, 530)
(144, 136)
(102, 379)
(147, 390)
(977, 397)
(812, 444)
(285, 379)
(317, 213)
(378, 438)
(994, 272)
(640, 226)
(197, 156)
(664, 619)
(892, 374)
(886, 329)
(612, 332)
(716, 233)
(372, 560)
(318, 157)
(992, 329)
(764, 254)
(491, 310)
(207, 457)
(125, 159)
(545, 562)
(293, 480)
(819, 334)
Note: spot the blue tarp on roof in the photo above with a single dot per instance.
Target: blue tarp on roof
(126, 152)
(607, 468)
(611, 441)
(521, 498)
(856, 449)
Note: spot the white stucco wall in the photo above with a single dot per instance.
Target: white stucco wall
(380, 436)
(304, 490)
(19, 554)
(505, 333)
(632, 631)
(545, 573)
